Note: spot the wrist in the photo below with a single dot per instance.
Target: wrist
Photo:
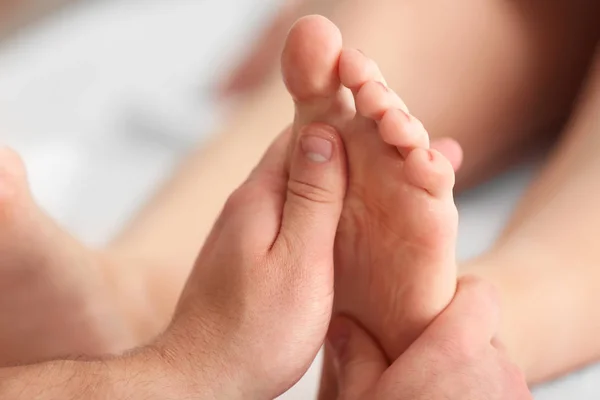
(196, 366)
(150, 374)
(215, 356)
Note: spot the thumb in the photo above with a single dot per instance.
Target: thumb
(315, 193)
(359, 360)
(473, 317)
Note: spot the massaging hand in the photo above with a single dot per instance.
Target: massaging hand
(457, 358)
(256, 309)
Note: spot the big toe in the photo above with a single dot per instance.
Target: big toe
(310, 58)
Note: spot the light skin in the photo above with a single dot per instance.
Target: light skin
(459, 348)
(564, 28)
(399, 213)
(34, 251)
(557, 269)
(424, 182)
(480, 368)
(157, 265)
(460, 66)
(256, 337)
(255, 310)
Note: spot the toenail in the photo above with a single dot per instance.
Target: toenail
(384, 86)
(316, 149)
(403, 114)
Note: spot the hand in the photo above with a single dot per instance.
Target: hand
(457, 358)
(256, 308)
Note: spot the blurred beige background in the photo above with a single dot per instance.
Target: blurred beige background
(103, 97)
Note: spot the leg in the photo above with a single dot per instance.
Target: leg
(547, 263)
(532, 36)
(464, 67)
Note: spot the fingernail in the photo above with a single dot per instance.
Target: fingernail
(316, 149)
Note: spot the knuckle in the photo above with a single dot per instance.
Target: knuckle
(242, 196)
(290, 241)
(311, 192)
(234, 201)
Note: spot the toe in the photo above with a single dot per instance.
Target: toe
(310, 58)
(450, 149)
(400, 129)
(356, 69)
(431, 171)
(374, 99)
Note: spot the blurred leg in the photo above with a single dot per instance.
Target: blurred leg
(547, 263)
(490, 74)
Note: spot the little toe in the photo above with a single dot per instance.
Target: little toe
(431, 171)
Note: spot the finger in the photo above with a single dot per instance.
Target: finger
(359, 360)
(315, 193)
(471, 320)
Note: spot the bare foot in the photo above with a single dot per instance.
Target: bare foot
(395, 264)
(55, 294)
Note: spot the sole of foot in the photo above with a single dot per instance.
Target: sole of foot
(395, 250)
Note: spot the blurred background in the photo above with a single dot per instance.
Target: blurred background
(102, 98)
